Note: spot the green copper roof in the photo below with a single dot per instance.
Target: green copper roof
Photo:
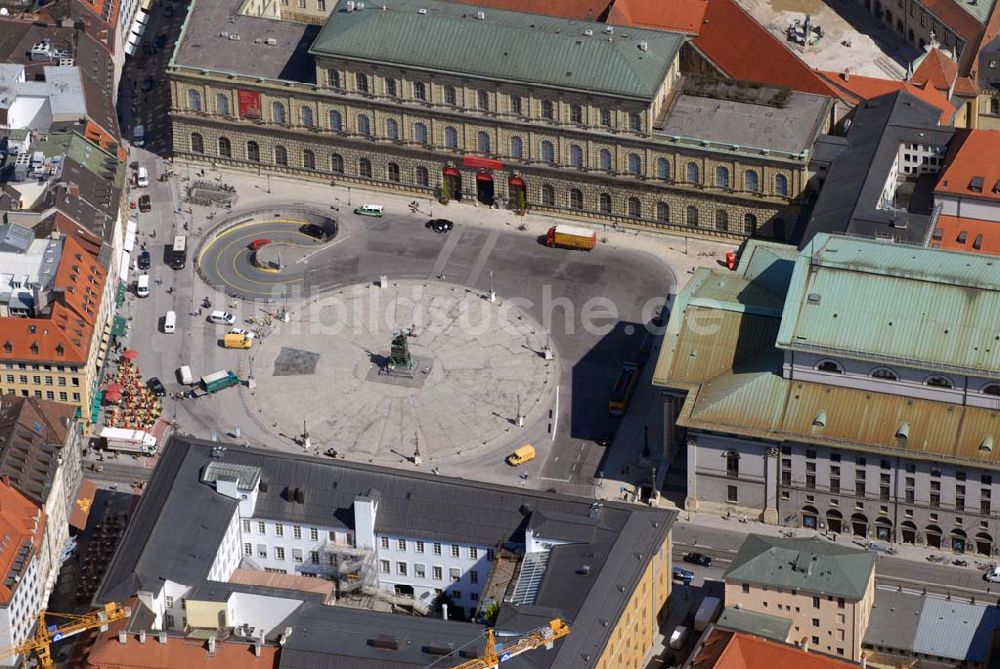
(895, 303)
(751, 622)
(503, 45)
(811, 565)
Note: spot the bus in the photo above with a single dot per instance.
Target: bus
(178, 253)
(622, 391)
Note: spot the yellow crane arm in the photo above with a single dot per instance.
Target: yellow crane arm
(495, 653)
(44, 636)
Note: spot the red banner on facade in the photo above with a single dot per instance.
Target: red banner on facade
(481, 163)
(249, 104)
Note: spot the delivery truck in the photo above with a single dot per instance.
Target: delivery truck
(184, 374)
(707, 612)
(216, 381)
(128, 441)
(571, 237)
(237, 340)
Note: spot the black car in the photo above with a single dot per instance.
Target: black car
(314, 230)
(699, 559)
(156, 387)
(439, 225)
(143, 262)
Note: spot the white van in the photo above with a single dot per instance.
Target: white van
(170, 322)
(142, 180)
(142, 286)
(221, 318)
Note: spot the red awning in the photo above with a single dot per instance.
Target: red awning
(516, 181)
(130, 354)
(481, 163)
(484, 176)
(451, 172)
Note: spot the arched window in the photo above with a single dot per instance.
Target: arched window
(280, 155)
(253, 151)
(306, 115)
(884, 373)
(450, 137)
(663, 169)
(722, 177)
(194, 100)
(222, 104)
(337, 163)
(547, 109)
(548, 195)
(333, 78)
(516, 147)
(450, 96)
(277, 112)
(576, 114)
(692, 216)
(692, 173)
(197, 143)
(634, 164)
(225, 148)
(721, 220)
(605, 160)
(391, 129)
(995, 106)
(991, 389)
(575, 199)
(604, 202)
(663, 212)
(781, 185)
(362, 80)
(336, 120)
(831, 366)
(390, 88)
(548, 152)
(364, 168)
(634, 121)
(634, 207)
(419, 90)
(575, 155)
(483, 100)
(420, 133)
(751, 181)
(749, 225)
(421, 176)
(939, 381)
(364, 125)
(308, 159)
(483, 141)
(392, 172)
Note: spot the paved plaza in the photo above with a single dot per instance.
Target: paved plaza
(475, 363)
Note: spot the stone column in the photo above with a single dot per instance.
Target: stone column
(691, 501)
(772, 456)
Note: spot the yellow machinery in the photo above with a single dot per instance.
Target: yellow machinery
(44, 636)
(494, 654)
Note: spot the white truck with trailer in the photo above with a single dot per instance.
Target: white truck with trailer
(128, 441)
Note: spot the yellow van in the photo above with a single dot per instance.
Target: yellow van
(232, 340)
(521, 455)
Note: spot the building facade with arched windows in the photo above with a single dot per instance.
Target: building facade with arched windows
(844, 411)
(632, 147)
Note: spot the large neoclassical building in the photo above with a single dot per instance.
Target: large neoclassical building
(505, 108)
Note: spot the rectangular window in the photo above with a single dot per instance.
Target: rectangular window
(473, 553)
(401, 544)
(859, 488)
(811, 481)
(248, 549)
(401, 568)
(936, 486)
(420, 546)
(437, 549)
(786, 477)
(455, 574)
(296, 532)
(935, 500)
(959, 475)
(436, 573)
(840, 604)
(515, 104)
(815, 602)
(909, 496)
(984, 506)
(810, 454)
(390, 87)
(746, 588)
(314, 557)
(835, 485)
(731, 493)
(483, 98)
(960, 504)
(246, 526)
(313, 534)
(261, 528)
(321, 5)
(168, 602)
(385, 542)
(296, 555)
(419, 571)
(262, 551)
(279, 553)
(811, 466)
(474, 577)
(883, 492)
(815, 622)
(383, 566)
(935, 472)
(279, 530)
(606, 118)
(455, 552)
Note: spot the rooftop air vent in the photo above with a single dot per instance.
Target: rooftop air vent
(349, 6)
(986, 444)
(481, 15)
(588, 32)
(609, 29)
(813, 298)
(422, 11)
(903, 431)
(996, 187)
(271, 41)
(820, 419)
(644, 46)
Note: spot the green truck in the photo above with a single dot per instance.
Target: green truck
(216, 381)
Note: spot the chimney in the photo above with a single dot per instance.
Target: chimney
(74, 190)
(122, 637)
(162, 637)
(211, 644)
(257, 647)
(142, 636)
(284, 637)
(847, 74)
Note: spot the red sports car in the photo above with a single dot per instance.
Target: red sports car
(257, 243)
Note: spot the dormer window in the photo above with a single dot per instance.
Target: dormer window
(938, 381)
(884, 373)
(34, 348)
(60, 350)
(991, 389)
(831, 366)
(8, 347)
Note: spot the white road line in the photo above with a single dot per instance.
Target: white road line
(555, 416)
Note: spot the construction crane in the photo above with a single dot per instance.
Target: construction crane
(494, 653)
(45, 636)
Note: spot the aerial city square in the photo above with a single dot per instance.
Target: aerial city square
(437, 334)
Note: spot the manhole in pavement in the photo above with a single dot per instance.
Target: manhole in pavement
(295, 362)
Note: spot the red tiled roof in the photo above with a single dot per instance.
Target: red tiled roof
(64, 336)
(743, 49)
(936, 69)
(683, 16)
(973, 153)
(856, 88)
(592, 10)
(21, 522)
(952, 227)
(735, 650)
(962, 22)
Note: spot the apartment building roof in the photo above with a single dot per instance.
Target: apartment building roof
(967, 234)
(811, 565)
(682, 16)
(971, 169)
(583, 10)
(854, 89)
(33, 432)
(180, 522)
(856, 296)
(752, 622)
(850, 199)
(509, 46)
(935, 68)
(21, 526)
(723, 649)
